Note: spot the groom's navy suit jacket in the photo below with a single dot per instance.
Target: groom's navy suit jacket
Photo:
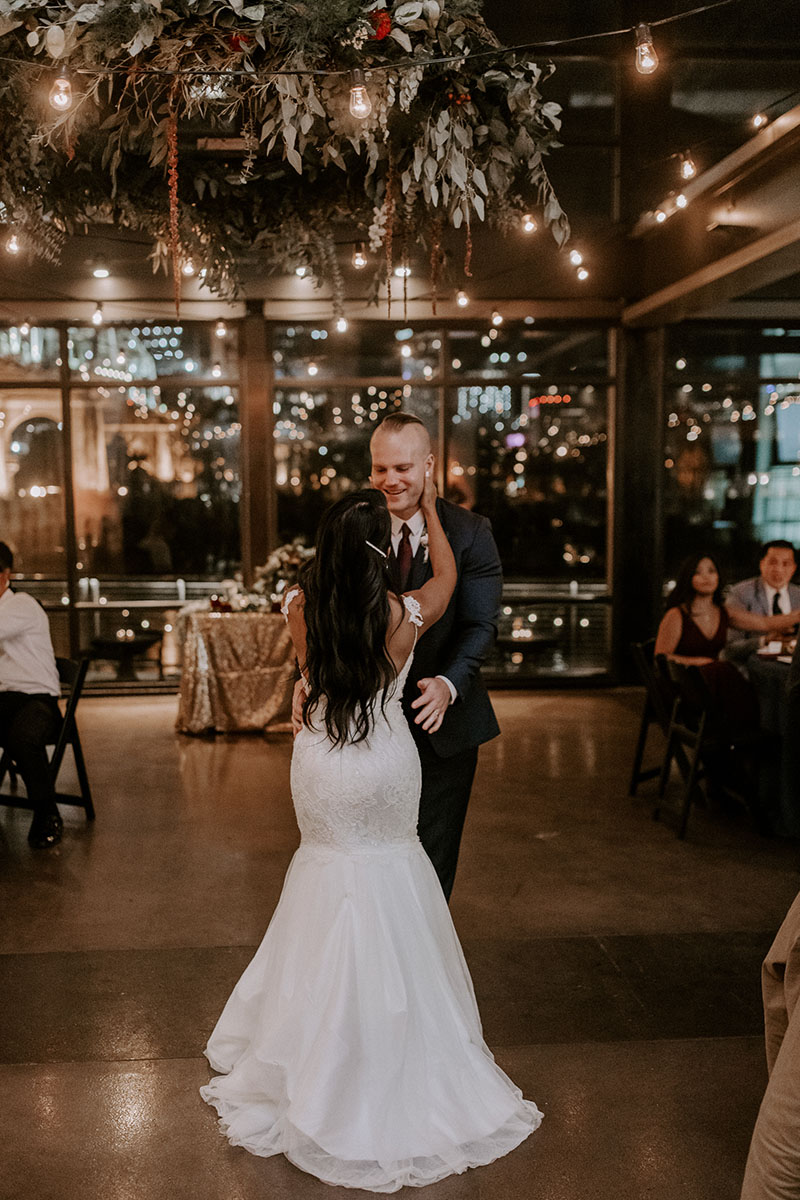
(460, 640)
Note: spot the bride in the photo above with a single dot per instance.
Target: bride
(352, 1042)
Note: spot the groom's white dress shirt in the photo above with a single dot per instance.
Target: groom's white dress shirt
(416, 527)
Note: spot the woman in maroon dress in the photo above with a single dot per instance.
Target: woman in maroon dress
(694, 628)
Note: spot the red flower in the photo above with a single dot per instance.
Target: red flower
(381, 22)
(238, 41)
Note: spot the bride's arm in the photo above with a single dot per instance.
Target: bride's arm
(434, 596)
(293, 611)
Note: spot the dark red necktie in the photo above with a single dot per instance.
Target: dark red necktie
(404, 557)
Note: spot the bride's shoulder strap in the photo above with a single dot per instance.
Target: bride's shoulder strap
(287, 600)
(412, 607)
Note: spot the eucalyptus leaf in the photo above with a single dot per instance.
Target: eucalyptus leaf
(401, 37)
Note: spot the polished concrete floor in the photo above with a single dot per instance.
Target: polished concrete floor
(617, 969)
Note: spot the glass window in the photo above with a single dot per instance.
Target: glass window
(525, 350)
(732, 444)
(29, 352)
(367, 349)
(533, 459)
(322, 445)
(32, 479)
(148, 352)
(157, 483)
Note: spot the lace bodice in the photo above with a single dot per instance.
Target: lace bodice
(360, 797)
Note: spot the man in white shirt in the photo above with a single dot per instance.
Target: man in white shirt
(29, 690)
(769, 593)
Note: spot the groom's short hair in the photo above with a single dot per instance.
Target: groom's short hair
(399, 420)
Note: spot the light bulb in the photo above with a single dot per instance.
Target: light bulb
(497, 318)
(312, 368)
(341, 325)
(575, 257)
(61, 93)
(97, 315)
(402, 272)
(462, 299)
(221, 329)
(359, 257)
(12, 244)
(188, 268)
(528, 224)
(360, 103)
(301, 272)
(216, 371)
(101, 272)
(646, 57)
(661, 216)
(583, 274)
(24, 328)
(405, 351)
(688, 166)
(759, 120)
(680, 200)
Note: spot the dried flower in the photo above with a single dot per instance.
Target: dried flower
(381, 22)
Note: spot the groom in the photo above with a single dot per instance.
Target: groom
(445, 699)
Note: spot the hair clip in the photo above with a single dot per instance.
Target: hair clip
(382, 553)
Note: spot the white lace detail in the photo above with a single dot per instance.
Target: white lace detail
(413, 609)
(287, 600)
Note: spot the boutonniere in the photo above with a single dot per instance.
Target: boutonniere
(423, 541)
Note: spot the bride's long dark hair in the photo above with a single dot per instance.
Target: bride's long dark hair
(347, 616)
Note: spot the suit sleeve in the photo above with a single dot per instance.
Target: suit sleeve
(739, 596)
(480, 587)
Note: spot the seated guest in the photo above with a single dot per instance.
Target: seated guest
(29, 688)
(695, 626)
(770, 593)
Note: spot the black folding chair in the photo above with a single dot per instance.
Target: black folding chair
(72, 675)
(657, 710)
(699, 731)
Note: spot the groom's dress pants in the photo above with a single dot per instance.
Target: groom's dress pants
(773, 1165)
(446, 785)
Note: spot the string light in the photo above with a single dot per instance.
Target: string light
(61, 92)
(97, 315)
(360, 103)
(402, 272)
(462, 299)
(759, 120)
(101, 272)
(497, 318)
(24, 328)
(582, 274)
(646, 57)
(188, 268)
(12, 244)
(359, 257)
(301, 272)
(341, 325)
(680, 200)
(688, 166)
(529, 224)
(216, 371)
(575, 257)
(661, 216)
(221, 329)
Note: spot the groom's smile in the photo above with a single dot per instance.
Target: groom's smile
(400, 458)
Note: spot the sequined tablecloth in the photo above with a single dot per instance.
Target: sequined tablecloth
(238, 673)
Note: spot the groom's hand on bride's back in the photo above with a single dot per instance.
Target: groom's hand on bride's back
(433, 703)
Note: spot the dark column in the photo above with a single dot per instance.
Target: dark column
(258, 507)
(638, 457)
(70, 535)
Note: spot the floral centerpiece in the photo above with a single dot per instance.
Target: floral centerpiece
(228, 132)
(281, 570)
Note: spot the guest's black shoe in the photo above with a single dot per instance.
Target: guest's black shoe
(45, 831)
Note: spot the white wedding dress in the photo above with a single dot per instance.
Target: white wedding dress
(352, 1042)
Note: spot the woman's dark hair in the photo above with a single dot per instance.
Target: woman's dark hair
(347, 615)
(6, 558)
(683, 593)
